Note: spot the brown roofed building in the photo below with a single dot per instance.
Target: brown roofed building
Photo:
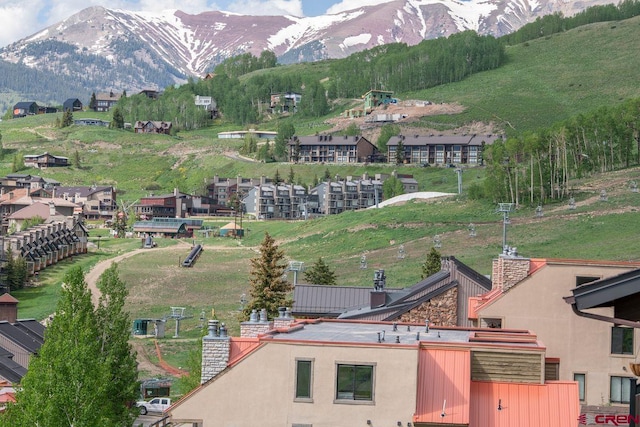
(439, 149)
(331, 149)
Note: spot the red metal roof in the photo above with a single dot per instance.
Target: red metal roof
(239, 347)
(499, 404)
(444, 377)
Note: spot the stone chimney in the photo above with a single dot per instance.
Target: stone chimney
(52, 209)
(284, 319)
(258, 324)
(216, 347)
(509, 269)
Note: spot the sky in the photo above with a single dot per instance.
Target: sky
(19, 19)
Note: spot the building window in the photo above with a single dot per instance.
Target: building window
(621, 340)
(620, 389)
(582, 280)
(581, 379)
(304, 379)
(490, 322)
(354, 382)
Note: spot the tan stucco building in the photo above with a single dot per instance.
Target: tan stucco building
(528, 293)
(326, 373)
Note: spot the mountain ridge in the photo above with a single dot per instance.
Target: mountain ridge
(102, 48)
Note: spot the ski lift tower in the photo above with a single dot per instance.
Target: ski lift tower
(505, 208)
(177, 313)
(296, 267)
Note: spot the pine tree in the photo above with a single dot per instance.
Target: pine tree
(320, 274)
(92, 101)
(76, 159)
(269, 288)
(114, 325)
(400, 153)
(66, 382)
(117, 121)
(292, 176)
(67, 119)
(432, 264)
(277, 178)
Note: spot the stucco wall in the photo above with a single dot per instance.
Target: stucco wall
(259, 390)
(583, 345)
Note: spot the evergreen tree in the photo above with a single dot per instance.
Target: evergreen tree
(92, 101)
(269, 288)
(116, 352)
(277, 178)
(67, 119)
(76, 159)
(292, 176)
(66, 384)
(400, 153)
(432, 264)
(327, 174)
(320, 274)
(117, 122)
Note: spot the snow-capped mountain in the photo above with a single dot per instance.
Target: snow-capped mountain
(134, 49)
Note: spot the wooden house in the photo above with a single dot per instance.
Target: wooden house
(72, 104)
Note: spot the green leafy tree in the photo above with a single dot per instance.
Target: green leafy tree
(392, 187)
(352, 130)
(432, 264)
(32, 222)
(17, 164)
(269, 288)
(66, 381)
(120, 224)
(1, 147)
(117, 121)
(16, 271)
(285, 133)
(85, 373)
(320, 274)
(193, 366)
(386, 132)
(114, 326)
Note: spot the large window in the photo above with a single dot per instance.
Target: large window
(354, 382)
(620, 389)
(304, 379)
(621, 340)
(581, 379)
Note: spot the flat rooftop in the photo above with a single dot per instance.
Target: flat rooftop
(330, 330)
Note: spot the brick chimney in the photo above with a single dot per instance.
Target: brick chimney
(509, 269)
(258, 324)
(216, 347)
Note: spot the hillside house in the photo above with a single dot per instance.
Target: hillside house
(91, 122)
(207, 103)
(286, 102)
(150, 93)
(72, 105)
(96, 202)
(14, 181)
(329, 373)
(530, 291)
(375, 98)
(151, 126)
(349, 194)
(441, 298)
(439, 149)
(331, 149)
(25, 108)
(105, 101)
(46, 160)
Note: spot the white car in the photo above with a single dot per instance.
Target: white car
(157, 404)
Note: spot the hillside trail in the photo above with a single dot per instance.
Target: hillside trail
(142, 354)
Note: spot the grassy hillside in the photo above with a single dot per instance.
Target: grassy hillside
(549, 79)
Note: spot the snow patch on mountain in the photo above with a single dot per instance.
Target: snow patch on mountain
(355, 40)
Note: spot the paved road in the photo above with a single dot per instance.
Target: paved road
(146, 420)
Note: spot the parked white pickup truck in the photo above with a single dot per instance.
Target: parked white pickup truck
(157, 404)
